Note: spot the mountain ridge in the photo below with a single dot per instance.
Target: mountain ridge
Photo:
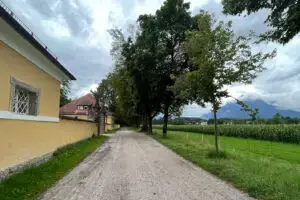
(266, 110)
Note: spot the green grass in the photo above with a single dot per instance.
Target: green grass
(266, 170)
(111, 131)
(134, 128)
(30, 183)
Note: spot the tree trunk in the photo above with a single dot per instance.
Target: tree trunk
(145, 124)
(216, 131)
(137, 121)
(149, 125)
(166, 118)
(97, 119)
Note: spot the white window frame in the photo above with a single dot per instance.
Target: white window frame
(8, 114)
(80, 107)
(17, 83)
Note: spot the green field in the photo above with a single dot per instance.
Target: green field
(280, 133)
(264, 169)
(30, 183)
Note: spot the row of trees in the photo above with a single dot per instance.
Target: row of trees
(172, 58)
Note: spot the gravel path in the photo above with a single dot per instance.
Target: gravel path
(133, 166)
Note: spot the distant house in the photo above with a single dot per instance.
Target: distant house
(82, 108)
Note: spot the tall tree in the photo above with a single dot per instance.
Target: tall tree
(64, 92)
(283, 18)
(222, 59)
(127, 111)
(142, 59)
(126, 102)
(276, 118)
(105, 94)
(173, 19)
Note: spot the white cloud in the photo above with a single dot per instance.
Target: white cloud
(76, 30)
(56, 28)
(193, 110)
(106, 14)
(86, 90)
(146, 7)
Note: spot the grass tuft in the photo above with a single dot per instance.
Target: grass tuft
(213, 154)
(111, 131)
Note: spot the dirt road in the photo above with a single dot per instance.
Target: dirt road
(133, 166)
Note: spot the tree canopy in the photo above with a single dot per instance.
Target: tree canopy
(173, 19)
(105, 94)
(64, 92)
(221, 58)
(283, 18)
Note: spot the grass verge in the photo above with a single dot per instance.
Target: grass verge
(266, 170)
(30, 183)
(111, 131)
(136, 129)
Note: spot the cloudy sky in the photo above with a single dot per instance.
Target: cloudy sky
(76, 31)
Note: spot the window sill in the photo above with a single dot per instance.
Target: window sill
(11, 115)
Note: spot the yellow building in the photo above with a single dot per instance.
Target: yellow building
(30, 78)
(110, 122)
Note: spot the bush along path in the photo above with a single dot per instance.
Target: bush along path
(30, 183)
(266, 170)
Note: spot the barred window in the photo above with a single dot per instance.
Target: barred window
(24, 98)
(79, 107)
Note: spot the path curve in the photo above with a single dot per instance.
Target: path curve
(133, 166)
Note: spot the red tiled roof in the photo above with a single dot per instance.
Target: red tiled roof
(71, 108)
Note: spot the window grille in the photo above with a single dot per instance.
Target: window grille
(24, 98)
(79, 107)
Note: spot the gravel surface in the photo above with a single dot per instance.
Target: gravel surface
(133, 166)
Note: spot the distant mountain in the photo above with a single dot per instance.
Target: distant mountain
(233, 110)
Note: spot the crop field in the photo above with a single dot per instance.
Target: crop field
(279, 133)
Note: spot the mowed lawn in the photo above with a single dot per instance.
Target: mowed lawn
(266, 170)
